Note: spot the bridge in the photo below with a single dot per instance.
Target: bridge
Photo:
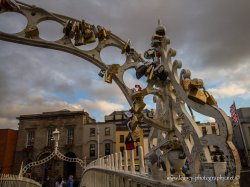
(179, 140)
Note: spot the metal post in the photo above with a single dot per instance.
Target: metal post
(116, 161)
(141, 160)
(125, 160)
(132, 161)
(98, 148)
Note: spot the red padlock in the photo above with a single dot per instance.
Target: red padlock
(129, 142)
(138, 87)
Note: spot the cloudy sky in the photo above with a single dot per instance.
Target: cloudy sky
(212, 39)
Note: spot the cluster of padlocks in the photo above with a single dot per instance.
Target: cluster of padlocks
(108, 74)
(84, 33)
(197, 92)
(153, 70)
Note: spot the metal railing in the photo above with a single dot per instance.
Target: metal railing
(120, 171)
(8, 180)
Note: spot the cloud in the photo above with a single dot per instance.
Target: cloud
(31, 105)
(8, 123)
(228, 91)
(101, 105)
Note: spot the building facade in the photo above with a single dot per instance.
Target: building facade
(241, 137)
(98, 139)
(119, 118)
(8, 139)
(34, 142)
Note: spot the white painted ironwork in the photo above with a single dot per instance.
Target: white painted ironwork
(8, 180)
(55, 153)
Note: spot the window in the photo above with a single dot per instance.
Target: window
(122, 150)
(121, 138)
(92, 132)
(204, 130)
(50, 135)
(30, 137)
(70, 136)
(213, 130)
(107, 131)
(107, 148)
(92, 150)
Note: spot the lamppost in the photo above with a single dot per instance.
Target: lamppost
(98, 140)
(56, 137)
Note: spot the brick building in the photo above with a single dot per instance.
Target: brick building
(34, 142)
(8, 138)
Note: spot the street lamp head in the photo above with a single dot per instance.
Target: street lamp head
(56, 135)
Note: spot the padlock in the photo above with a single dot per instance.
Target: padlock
(149, 68)
(155, 43)
(186, 83)
(73, 30)
(133, 90)
(79, 39)
(67, 27)
(150, 54)
(94, 29)
(197, 95)
(140, 69)
(103, 34)
(129, 143)
(132, 50)
(211, 100)
(138, 105)
(138, 87)
(196, 83)
(87, 32)
(151, 74)
(113, 69)
(31, 32)
(83, 26)
(101, 73)
(161, 73)
(135, 134)
(92, 39)
(108, 78)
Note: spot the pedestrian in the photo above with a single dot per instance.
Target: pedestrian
(70, 182)
(60, 182)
